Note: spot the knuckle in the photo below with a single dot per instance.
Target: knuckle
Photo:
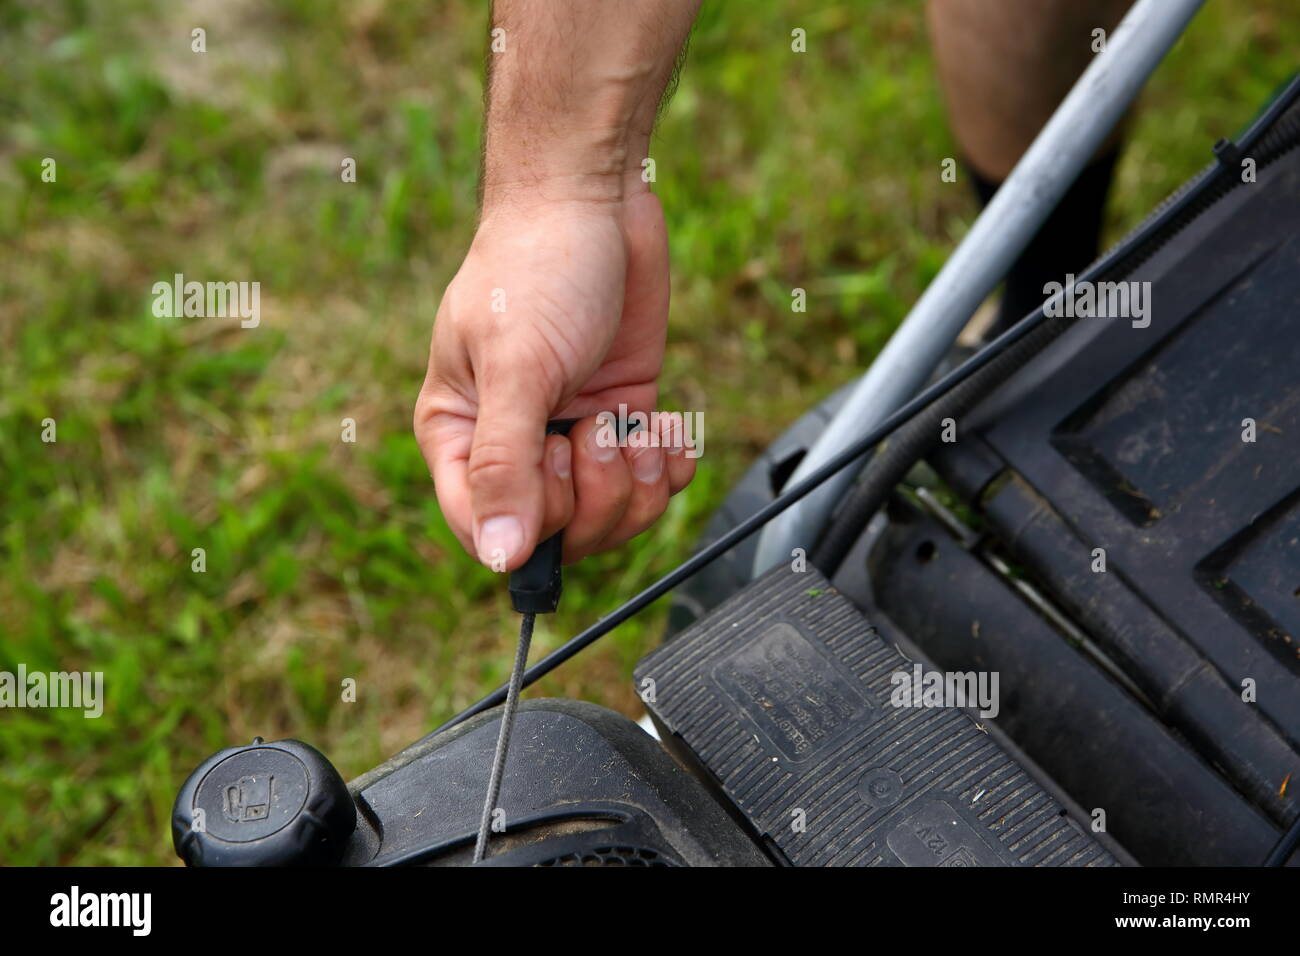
(648, 511)
(492, 466)
(620, 497)
(424, 410)
(558, 513)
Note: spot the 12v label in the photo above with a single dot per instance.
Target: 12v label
(936, 835)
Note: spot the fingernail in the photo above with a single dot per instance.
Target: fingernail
(648, 465)
(676, 435)
(499, 539)
(562, 459)
(600, 445)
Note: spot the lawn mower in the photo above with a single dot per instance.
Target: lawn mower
(1035, 604)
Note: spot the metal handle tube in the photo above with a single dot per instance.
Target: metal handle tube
(1056, 157)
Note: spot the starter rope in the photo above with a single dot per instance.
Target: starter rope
(503, 739)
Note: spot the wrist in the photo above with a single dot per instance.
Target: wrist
(602, 177)
(579, 165)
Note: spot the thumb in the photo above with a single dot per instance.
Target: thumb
(506, 483)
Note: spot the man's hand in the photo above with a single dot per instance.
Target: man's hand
(560, 309)
(583, 289)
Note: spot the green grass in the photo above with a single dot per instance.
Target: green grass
(328, 560)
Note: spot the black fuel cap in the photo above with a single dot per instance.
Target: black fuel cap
(264, 804)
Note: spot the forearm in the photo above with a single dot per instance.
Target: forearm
(573, 94)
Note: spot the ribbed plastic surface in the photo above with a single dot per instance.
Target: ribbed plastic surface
(784, 694)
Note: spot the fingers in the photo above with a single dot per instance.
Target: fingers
(599, 493)
(445, 438)
(646, 462)
(505, 472)
(680, 464)
(602, 484)
(446, 441)
(620, 492)
(557, 466)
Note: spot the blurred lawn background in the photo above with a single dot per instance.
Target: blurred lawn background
(328, 560)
